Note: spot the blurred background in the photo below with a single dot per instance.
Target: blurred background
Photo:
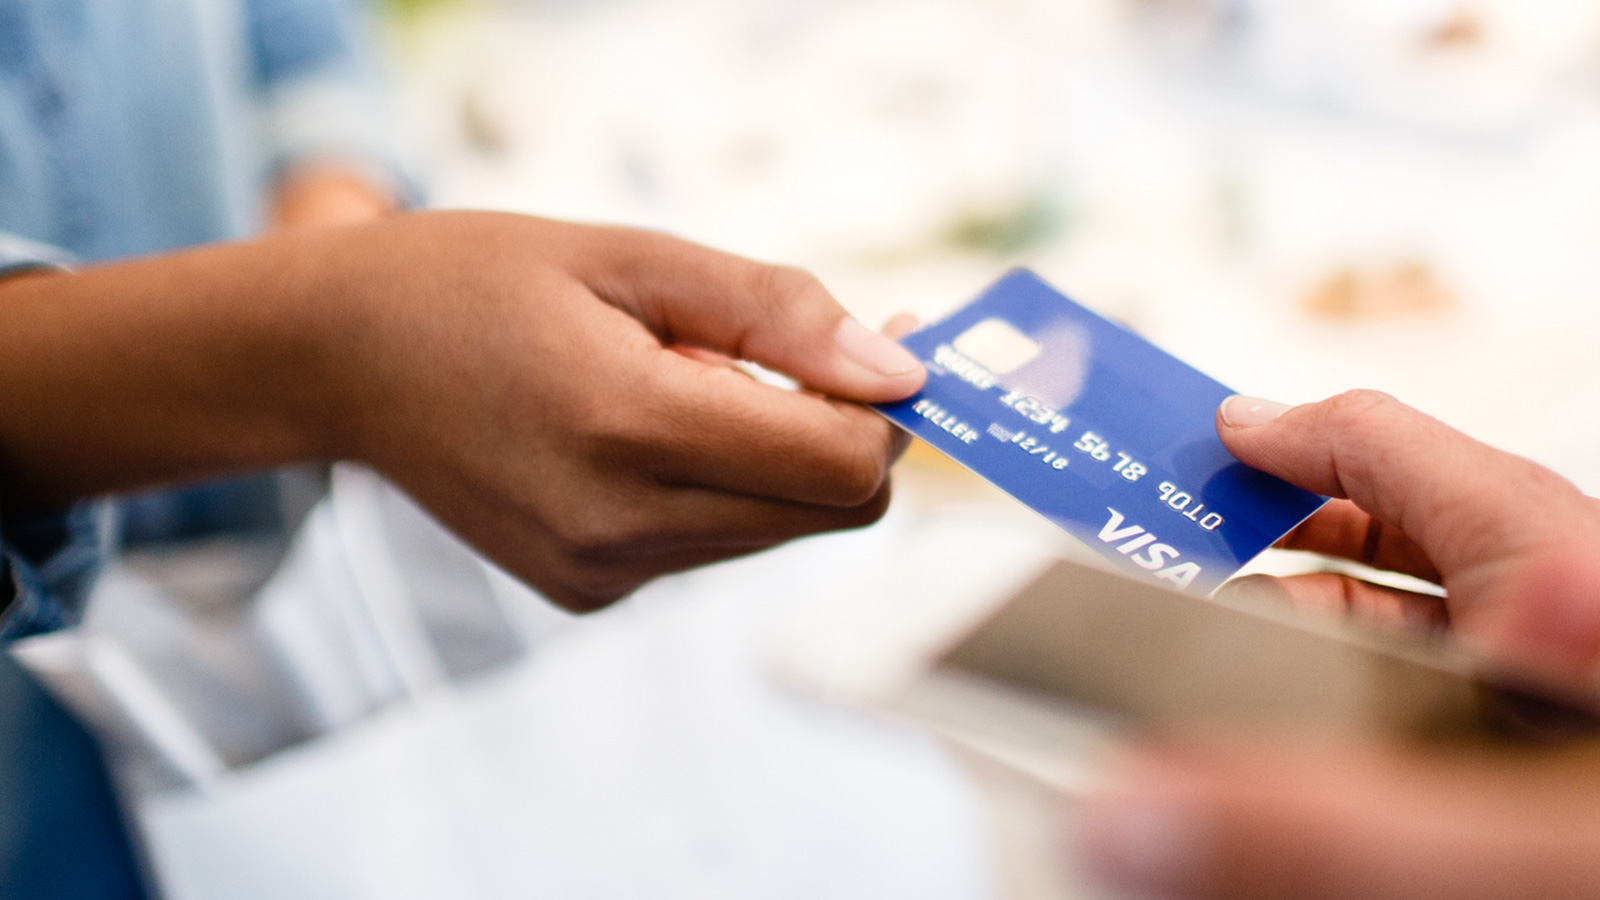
(1296, 196)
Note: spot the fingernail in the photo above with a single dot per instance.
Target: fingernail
(1139, 838)
(874, 351)
(1239, 411)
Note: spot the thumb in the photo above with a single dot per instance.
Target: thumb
(781, 318)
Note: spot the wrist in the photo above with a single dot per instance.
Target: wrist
(315, 389)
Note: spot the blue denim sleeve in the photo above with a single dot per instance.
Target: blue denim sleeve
(295, 38)
(19, 253)
(48, 561)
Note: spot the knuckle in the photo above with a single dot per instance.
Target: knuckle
(595, 562)
(874, 509)
(593, 534)
(854, 451)
(1358, 432)
(785, 285)
(858, 474)
(584, 593)
(782, 290)
(617, 437)
(1543, 485)
(845, 518)
(1358, 405)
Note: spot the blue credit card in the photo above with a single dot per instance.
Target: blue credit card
(1103, 433)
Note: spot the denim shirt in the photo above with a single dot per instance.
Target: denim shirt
(137, 126)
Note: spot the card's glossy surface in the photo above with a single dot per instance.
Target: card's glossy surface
(1105, 434)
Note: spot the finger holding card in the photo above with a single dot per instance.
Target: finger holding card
(1511, 542)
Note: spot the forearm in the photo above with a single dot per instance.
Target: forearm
(164, 369)
(516, 376)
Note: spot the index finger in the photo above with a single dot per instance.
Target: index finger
(779, 317)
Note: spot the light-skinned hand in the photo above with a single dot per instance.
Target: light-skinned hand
(1517, 550)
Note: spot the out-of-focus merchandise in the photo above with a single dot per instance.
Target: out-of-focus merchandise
(876, 133)
(1477, 67)
(1408, 288)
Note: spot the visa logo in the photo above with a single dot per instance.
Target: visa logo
(1155, 556)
